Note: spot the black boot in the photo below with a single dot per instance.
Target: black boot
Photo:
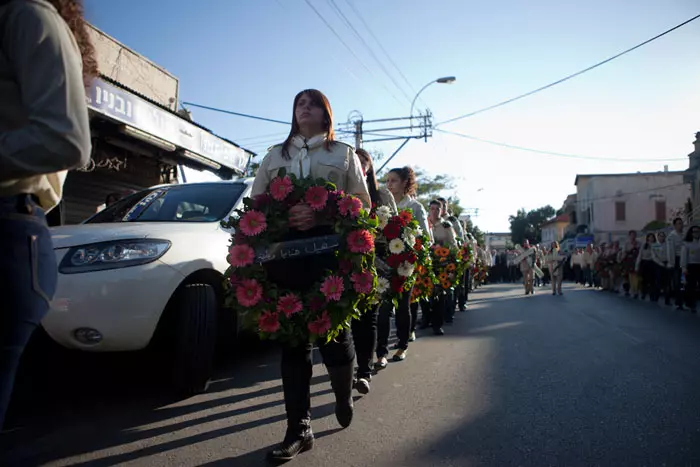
(295, 442)
(341, 382)
(296, 378)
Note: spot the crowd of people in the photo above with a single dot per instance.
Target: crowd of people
(665, 265)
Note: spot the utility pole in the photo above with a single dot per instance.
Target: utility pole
(358, 134)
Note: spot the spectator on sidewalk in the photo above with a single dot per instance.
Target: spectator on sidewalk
(47, 60)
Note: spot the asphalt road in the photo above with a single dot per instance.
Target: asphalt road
(584, 379)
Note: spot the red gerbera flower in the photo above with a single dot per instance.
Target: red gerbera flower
(392, 231)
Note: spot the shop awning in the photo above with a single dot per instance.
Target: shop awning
(143, 119)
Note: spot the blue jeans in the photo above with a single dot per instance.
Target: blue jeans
(28, 275)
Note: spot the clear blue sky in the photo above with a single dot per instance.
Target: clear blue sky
(253, 56)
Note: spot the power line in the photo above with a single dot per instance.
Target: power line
(550, 153)
(255, 117)
(592, 67)
(345, 19)
(388, 56)
(328, 25)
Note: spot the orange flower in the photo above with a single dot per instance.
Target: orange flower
(406, 216)
(451, 267)
(427, 282)
(443, 252)
(442, 276)
(418, 245)
(446, 284)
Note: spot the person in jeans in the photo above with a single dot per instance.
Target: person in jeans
(364, 330)
(46, 61)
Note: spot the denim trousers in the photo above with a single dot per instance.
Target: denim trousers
(28, 276)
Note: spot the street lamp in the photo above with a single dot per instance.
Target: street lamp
(443, 80)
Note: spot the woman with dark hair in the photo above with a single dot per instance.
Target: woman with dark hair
(644, 267)
(402, 183)
(311, 150)
(690, 263)
(45, 62)
(364, 330)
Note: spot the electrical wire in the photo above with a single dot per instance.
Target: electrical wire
(388, 56)
(345, 19)
(578, 73)
(550, 153)
(335, 33)
(255, 117)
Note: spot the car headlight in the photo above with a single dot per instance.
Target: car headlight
(112, 255)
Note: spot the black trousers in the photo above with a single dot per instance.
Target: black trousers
(364, 335)
(403, 324)
(692, 285)
(662, 282)
(436, 310)
(676, 274)
(297, 368)
(464, 291)
(649, 286)
(414, 316)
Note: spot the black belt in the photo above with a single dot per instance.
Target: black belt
(23, 202)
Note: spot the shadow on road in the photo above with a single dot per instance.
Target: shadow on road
(70, 403)
(564, 389)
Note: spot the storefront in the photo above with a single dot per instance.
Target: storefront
(138, 143)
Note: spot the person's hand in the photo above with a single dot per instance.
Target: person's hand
(301, 217)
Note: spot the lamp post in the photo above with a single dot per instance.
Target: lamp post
(443, 80)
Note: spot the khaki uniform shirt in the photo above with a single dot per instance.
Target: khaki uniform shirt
(339, 165)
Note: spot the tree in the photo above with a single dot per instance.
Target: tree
(431, 187)
(528, 225)
(475, 232)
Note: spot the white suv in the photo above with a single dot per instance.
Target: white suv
(149, 270)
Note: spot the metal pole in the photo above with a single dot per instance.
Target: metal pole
(358, 134)
(395, 153)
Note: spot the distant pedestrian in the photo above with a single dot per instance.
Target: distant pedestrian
(45, 62)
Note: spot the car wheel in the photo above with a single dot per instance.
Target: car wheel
(194, 342)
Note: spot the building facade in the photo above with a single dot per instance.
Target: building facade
(608, 206)
(497, 240)
(692, 177)
(554, 229)
(138, 137)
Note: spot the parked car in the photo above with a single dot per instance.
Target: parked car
(148, 270)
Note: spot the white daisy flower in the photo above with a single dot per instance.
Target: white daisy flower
(396, 246)
(406, 269)
(409, 239)
(383, 212)
(418, 232)
(382, 222)
(382, 285)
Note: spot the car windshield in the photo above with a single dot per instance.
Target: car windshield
(202, 202)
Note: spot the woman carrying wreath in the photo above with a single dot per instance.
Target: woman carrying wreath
(364, 330)
(402, 183)
(311, 150)
(443, 235)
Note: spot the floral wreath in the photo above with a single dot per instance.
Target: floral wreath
(333, 301)
(425, 277)
(400, 234)
(445, 266)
